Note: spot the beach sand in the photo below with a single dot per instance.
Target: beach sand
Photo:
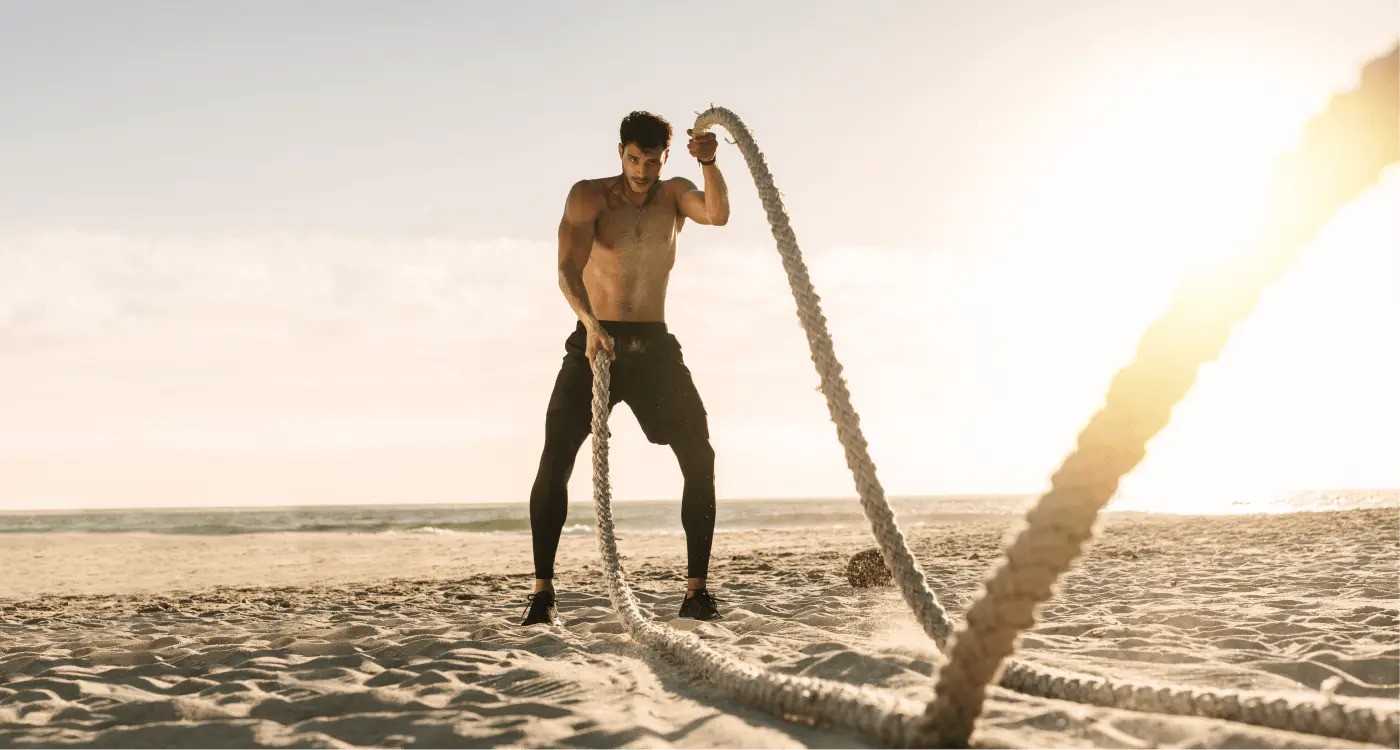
(331, 639)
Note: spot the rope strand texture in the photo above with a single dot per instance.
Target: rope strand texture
(1327, 171)
(876, 714)
(1342, 153)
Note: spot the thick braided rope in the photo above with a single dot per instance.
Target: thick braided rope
(912, 583)
(876, 714)
(1342, 153)
(1332, 718)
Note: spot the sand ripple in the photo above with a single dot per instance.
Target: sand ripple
(1301, 603)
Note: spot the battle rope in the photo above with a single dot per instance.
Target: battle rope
(1342, 153)
(877, 714)
(1335, 162)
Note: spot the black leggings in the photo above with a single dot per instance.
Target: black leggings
(651, 377)
(549, 500)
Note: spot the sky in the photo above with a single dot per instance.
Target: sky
(301, 253)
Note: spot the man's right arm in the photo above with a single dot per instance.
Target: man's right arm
(575, 245)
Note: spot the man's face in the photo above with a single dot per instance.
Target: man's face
(642, 167)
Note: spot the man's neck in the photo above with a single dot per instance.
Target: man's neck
(636, 196)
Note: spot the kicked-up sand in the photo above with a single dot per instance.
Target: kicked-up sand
(333, 639)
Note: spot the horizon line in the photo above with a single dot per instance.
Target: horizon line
(451, 503)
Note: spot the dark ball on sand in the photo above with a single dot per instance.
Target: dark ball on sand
(867, 568)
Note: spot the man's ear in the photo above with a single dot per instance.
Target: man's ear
(665, 155)
(620, 149)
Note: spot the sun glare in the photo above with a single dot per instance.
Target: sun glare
(1176, 156)
(1164, 169)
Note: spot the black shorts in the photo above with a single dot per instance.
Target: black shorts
(648, 374)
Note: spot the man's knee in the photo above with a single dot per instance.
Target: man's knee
(549, 497)
(695, 455)
(561, 449)
(566, 427)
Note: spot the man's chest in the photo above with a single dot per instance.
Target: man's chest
(632, 226)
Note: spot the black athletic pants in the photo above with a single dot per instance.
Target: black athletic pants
(650, 375)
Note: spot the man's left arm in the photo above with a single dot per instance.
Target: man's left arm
(711, 205)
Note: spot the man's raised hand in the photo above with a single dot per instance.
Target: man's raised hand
(702, 146)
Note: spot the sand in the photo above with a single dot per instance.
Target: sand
(329, 640)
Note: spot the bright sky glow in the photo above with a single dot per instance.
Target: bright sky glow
(303, 254)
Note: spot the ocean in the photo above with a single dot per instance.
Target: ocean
(662, 517)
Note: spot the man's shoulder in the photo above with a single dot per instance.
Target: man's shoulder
(589, 185)
(675, 187)
(590, 191)
(680, 185)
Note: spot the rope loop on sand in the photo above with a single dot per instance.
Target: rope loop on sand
(1342, 153)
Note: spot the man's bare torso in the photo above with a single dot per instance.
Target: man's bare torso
(634, 249)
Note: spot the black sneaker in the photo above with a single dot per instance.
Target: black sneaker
(700, 605)
(540, 609)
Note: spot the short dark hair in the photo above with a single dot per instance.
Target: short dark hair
(646, 130)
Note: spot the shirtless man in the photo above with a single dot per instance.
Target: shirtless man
(617, 244)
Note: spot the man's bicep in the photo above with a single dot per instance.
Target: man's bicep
(691, 201)
(575, 241)
(577, 226)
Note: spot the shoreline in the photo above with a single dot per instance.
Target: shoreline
(138, 561)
